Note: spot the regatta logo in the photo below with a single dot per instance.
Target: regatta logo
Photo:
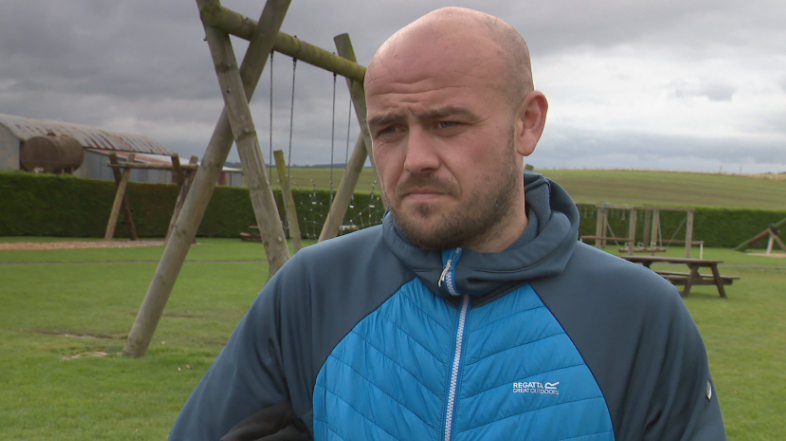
(534, 387)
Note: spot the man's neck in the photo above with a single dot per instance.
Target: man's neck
(506, 233)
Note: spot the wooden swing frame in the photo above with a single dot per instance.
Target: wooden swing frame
(236, 125)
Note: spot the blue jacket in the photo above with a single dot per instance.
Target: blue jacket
(370, 337)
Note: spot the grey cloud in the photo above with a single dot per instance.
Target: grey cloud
(714, 91)
(102, 61)
(717, 91)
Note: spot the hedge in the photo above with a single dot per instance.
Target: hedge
(66, 206)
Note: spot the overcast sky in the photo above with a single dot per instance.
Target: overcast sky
(675, 84)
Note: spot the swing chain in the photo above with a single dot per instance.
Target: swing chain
(270, 153)
(291, 119)
(349, 120)
(332, 138)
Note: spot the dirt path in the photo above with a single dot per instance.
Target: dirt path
(775, 255)
(80, 244)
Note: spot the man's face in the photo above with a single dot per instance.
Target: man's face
(443, 138)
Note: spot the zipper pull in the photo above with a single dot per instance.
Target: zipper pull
(444, 273)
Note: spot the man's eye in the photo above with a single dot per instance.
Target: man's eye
(388, 130)
(447, 124)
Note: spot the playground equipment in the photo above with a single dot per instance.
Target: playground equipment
(236, 125)
(183, 174)
(652, 241)
(771, 232)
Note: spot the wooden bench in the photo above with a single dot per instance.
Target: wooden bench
(688, 279)
(680, 278)
(644, 250)
(248, 237)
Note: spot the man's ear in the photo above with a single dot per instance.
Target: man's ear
(530, 121)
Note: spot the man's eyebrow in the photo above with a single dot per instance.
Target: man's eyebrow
(386, 119)
(440, 113)
(446, 112)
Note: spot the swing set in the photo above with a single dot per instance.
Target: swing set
(314, 212)
(652, 241)
(236, 125)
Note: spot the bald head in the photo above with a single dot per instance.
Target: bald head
(470, 37)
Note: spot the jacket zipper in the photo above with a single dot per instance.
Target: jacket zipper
(448, 279)
(454, 373)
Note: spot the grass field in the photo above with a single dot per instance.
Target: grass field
(625, 187)
(64, 323)
(672, 188)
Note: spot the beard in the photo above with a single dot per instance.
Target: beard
(479, 216)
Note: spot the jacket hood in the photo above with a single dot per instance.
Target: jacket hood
(542, 251)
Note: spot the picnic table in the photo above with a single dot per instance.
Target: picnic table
(690, 278)
(252, 235)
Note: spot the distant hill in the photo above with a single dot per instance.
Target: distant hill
(666, 188)
(641, 187)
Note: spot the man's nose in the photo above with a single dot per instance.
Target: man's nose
(421, 154)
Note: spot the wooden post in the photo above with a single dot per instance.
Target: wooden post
(632, 231)
(599, 228)
(184, 182)
(233, 23)
(358, 94)
(774, 237)
(177, 171)
(344, 192)
(126, 205)
(254, 170)
(204, 183)
(119, 196)
(655, 235)
(289, 202)
(647, 219)
(605, 226)
(689, 233)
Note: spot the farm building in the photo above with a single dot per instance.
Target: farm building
(58, 147)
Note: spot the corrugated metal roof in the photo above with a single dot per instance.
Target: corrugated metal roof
(26, 128)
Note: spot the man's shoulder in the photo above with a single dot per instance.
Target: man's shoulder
(360, 244)
(601, 272)
(597, 286)
(361, 260)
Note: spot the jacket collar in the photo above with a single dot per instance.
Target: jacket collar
(542, 251)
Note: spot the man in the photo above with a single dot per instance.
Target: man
(473, 312)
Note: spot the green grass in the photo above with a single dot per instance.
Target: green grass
(636, 187)
(55, 311)
(744, 335)
(51, 312)
(671, 188)
(727, 255)
(205, 250)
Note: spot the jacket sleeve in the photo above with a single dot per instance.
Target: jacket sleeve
(640, 342)
(685, 405)
(253, 370)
